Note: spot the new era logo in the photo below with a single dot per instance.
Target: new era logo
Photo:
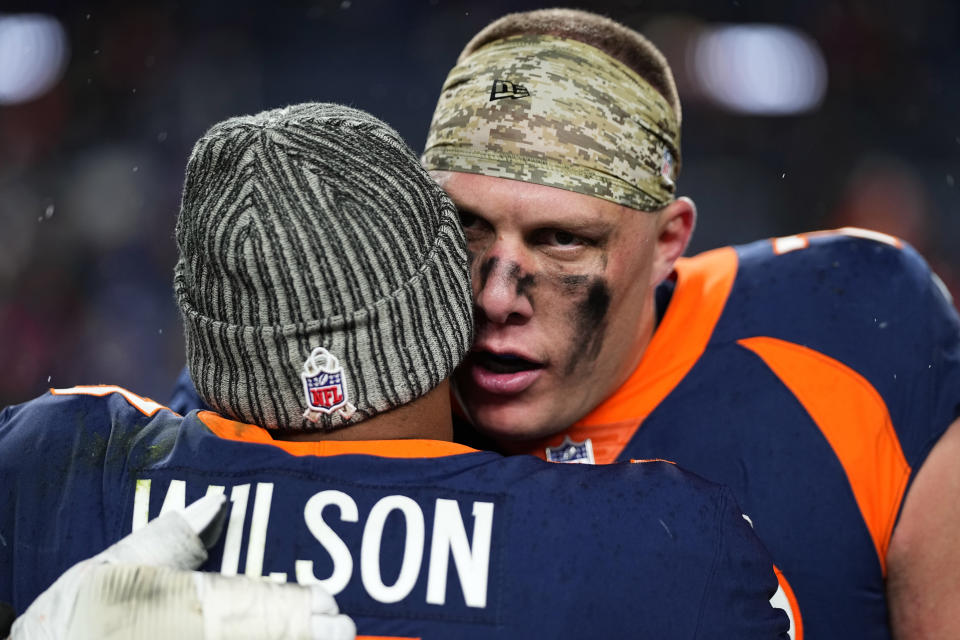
(507, 89)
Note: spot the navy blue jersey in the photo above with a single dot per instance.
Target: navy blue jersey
(415, 538)
(812, 374)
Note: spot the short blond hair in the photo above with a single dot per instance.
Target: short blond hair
(616, 40)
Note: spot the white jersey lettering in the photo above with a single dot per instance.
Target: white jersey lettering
(448, 538)
(412, 549)
(472, 564)
(328, 538)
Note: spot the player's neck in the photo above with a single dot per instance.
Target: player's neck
(633, 354)
(427, 418)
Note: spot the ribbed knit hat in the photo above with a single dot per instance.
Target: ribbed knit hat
(322, 275)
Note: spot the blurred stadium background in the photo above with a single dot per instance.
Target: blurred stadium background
(797, 115)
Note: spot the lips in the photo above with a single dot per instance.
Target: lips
(502, 373)
(504, 362)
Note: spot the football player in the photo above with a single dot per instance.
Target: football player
(818, 375)
(325, 292)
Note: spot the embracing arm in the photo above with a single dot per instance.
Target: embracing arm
(923, 561)
(737, 601)
(143, 587)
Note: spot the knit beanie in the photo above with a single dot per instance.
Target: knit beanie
(322, 274)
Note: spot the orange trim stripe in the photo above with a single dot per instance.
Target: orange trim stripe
(786, 244)
(857, 232)
(703, 286)
(242, 432)
(386, 638)
(794, 605)
(854, 419)
(146, 406)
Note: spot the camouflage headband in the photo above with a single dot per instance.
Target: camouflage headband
(560, 113)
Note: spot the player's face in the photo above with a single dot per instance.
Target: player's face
(563, 290)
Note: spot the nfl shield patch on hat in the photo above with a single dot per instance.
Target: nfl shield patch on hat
(325, 386)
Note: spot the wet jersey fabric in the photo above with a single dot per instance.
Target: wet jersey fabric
(416, 538)
(812, 374)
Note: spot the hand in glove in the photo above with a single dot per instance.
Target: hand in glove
(143, 588)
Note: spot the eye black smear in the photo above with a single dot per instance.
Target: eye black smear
(594, 310)
(591, 321)
(525, 284)
(485, 270)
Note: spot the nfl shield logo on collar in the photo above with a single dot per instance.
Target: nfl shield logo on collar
(570, 451)
(324, 386)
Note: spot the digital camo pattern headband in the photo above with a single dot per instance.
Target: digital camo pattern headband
(561, 113)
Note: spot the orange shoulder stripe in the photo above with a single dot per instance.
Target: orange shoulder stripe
(855, 421)
(242, 432)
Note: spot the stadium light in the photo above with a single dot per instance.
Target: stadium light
(33, 56)
(758, 69)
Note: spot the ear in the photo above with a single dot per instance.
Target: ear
(674, 228)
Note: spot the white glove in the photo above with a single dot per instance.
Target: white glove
(142, 588)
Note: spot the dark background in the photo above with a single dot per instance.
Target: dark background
(91, 171)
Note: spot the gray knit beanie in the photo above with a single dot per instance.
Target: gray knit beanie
(323, 275)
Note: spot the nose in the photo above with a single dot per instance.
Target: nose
(503, 291)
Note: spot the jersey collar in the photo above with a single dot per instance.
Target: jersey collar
(703, 285)
(242, 432)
